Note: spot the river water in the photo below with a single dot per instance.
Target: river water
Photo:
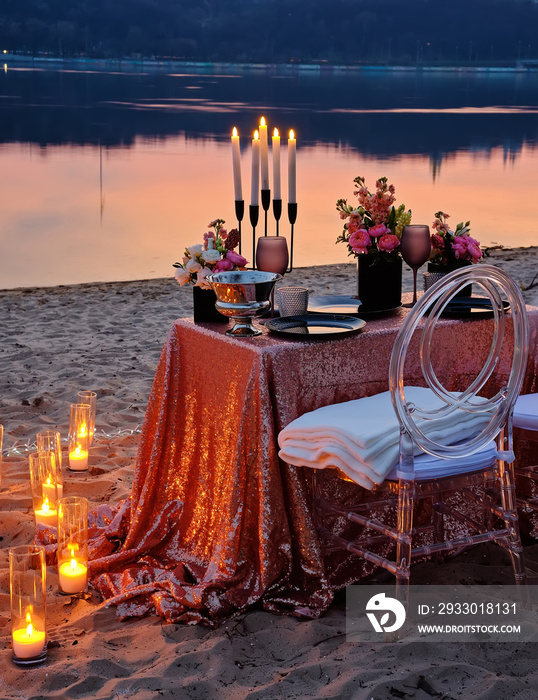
(108, 174)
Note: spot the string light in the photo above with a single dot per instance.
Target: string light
(19, 449)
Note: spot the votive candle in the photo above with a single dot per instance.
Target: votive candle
(73, 576)
(78, 459)
(47, 515)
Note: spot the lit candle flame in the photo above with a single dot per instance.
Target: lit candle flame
(73, 564)
(45, 506)
(30, 627)
(234, 131)
(48, 481)
(256, 135)
(262, 121)
(292, 134)
(275, 131)
(77, 450)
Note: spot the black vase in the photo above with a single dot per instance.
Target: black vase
(379, 283)
(467, 291)
(204, 310)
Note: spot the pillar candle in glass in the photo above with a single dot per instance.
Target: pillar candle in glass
(72, 545)
(90, 398)
(27, 584)
(50, 441)
(44, 488)
(79, 436)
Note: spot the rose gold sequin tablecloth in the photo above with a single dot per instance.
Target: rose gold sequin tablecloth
(216, 522)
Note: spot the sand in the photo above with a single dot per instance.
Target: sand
(107, 337)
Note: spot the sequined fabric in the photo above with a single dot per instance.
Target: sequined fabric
(216, 523)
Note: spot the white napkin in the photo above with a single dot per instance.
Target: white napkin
(362, 436)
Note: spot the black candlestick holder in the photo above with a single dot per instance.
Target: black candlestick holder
(239, 214)
(254, 213)
(292, 218)
(266, 201)
(277, 212)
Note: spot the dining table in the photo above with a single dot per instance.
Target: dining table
(216, 523)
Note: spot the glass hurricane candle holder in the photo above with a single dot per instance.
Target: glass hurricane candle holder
(89, 398)
(27, 584)
(72, 545)
(44, 488)
(79, 436)
(50, 441)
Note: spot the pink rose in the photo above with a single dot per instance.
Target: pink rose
(236, 259)
(459, 246)
(223, 266)
(473, 248)
(360, 240)
(388, 242)
(378, 230)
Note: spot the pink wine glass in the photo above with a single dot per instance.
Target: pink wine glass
(272, 256)
(415, 246)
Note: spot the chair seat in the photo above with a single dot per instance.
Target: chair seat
(428, 467)
(526, 412)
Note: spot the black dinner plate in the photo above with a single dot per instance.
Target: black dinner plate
(314, 326)
(337, 304)
(470, 307)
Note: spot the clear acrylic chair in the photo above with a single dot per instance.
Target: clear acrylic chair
(526, 428)
(479, 471)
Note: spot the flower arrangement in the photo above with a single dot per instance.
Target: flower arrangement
(375, 225)
(216, 254)
(453, 249)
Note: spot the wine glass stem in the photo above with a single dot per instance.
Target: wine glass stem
(415, 270)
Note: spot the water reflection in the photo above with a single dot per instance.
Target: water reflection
(112, 174)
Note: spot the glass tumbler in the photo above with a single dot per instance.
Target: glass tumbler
(79, 436)
(89, 398)
(50, 441)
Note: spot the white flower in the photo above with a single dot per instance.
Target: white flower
(201, 280)
(193, 266)
(182, 276)
(211, 256)
(195, 249)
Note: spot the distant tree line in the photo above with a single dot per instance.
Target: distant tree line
(405, 32)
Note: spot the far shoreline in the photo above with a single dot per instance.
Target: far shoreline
(291, 68)
(521, 263)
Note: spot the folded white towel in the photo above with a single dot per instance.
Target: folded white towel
(362, 436)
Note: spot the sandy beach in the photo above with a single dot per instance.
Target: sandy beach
(107, 338)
